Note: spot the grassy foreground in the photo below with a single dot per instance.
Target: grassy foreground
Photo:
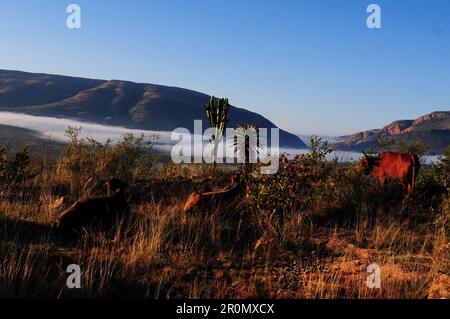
(309, 231)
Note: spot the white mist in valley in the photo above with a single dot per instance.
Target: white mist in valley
(54, 129)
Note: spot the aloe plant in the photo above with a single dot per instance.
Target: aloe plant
(242, 145)
(217, 112)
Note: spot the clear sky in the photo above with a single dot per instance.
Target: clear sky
(309, 66)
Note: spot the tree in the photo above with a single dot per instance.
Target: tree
(384, 144)
(418, 147)
(217, 112)
(445, 157)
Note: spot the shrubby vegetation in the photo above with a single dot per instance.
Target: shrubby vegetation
(14, 168)
(299, 184)
(85, 159)
(291, 235)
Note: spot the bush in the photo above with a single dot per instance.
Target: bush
(85, 159)
(385, 144)
(16, 169)
(299, 184)
(442, 178)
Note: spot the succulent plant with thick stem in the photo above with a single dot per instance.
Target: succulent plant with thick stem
(217, 112)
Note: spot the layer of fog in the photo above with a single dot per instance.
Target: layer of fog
(54, 129)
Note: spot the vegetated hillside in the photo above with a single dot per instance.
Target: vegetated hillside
(433, 129)
(20, 137)
(119, 103)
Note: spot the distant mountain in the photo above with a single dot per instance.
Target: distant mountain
(118, 103)
(433, 129)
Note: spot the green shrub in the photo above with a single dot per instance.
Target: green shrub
(85, 159)
(442, 175)
(300, 184)
(14, 169)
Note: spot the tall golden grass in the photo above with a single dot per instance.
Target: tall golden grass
(316, 242)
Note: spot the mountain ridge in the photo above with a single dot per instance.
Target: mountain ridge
(432, 128)
(118, 103)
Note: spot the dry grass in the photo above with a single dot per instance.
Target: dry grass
(234, 251)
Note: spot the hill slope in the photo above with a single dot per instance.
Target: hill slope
(120, 103)
(433, 129)
(20, 137)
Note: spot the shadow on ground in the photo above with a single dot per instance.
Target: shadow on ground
(24, 232)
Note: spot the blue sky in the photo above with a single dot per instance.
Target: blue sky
(309, 66)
